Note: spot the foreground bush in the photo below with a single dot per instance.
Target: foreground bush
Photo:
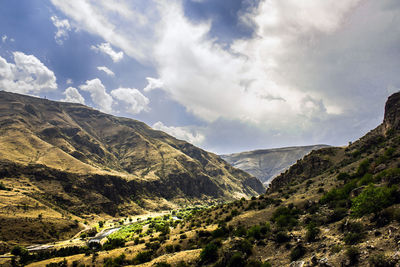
(372, 200)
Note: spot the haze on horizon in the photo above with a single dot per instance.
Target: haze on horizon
(227, 76)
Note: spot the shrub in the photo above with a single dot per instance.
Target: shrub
(353, 238)
(366, 179)
(142, 257)
(3, 187)
(255, 232)
(285, 217)
(380, 260)
(312, 232)
(343, 176)
(338, 214)
(353, 254)
(363, 168)
(281, 237)
(169, 248)
(220, 232)
(297, 252)
(240, 231)
(372, 199)
(334, 196)
(246, 247)
(391, 176)
(209, 253)
(236, 260)
(112, 243)
(19, 251)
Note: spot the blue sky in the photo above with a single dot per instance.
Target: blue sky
(228, 76)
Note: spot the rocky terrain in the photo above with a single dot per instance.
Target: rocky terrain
(266, 164)
(335, 207)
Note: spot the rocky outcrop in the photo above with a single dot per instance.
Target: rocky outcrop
(392, 113)
(311, 165)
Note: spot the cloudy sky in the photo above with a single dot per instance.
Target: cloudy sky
(227, 76)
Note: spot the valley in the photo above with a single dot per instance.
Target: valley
(337, 206)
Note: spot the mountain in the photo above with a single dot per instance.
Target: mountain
(113, 159)
(71, 160)
(266, 164)
(338, 206)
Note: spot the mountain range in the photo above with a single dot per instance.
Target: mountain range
(266, 164)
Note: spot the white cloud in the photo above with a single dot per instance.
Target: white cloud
(124, 24)
(28, 75)
(106, 70)
(4, 38)
(135, 100)
(98, 94)
(63, 27)
(183, 133)
(309, 64)
(72, 95)
(69, 81)
(107, 49)
(152, 84)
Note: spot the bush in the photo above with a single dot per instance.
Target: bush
(3, 187)
(353, 254)
(391, 176)
(353, 238)
(209, 253)
(363, 168)
(343, 176)
(281, 237)
(236, 260)
(285, 217)
(336, 195)
(169, 248)
(255, 232)
(380, 260)
(312, 232)
(112, 243)
(366, 179)
(220, 232)
(143, 257)
(19, 251)
(297, 252)
(246, 247)
(373, 199)
(338, 214)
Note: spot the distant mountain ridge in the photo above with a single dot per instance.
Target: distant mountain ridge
(87, 161)
(265, 164)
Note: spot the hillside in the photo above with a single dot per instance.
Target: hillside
(266, 164)
(78, 161)
(335, 207)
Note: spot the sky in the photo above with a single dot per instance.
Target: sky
(227, 76)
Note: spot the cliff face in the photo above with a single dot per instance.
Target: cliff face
(392, 113)
(268, 163)
(105, 162)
